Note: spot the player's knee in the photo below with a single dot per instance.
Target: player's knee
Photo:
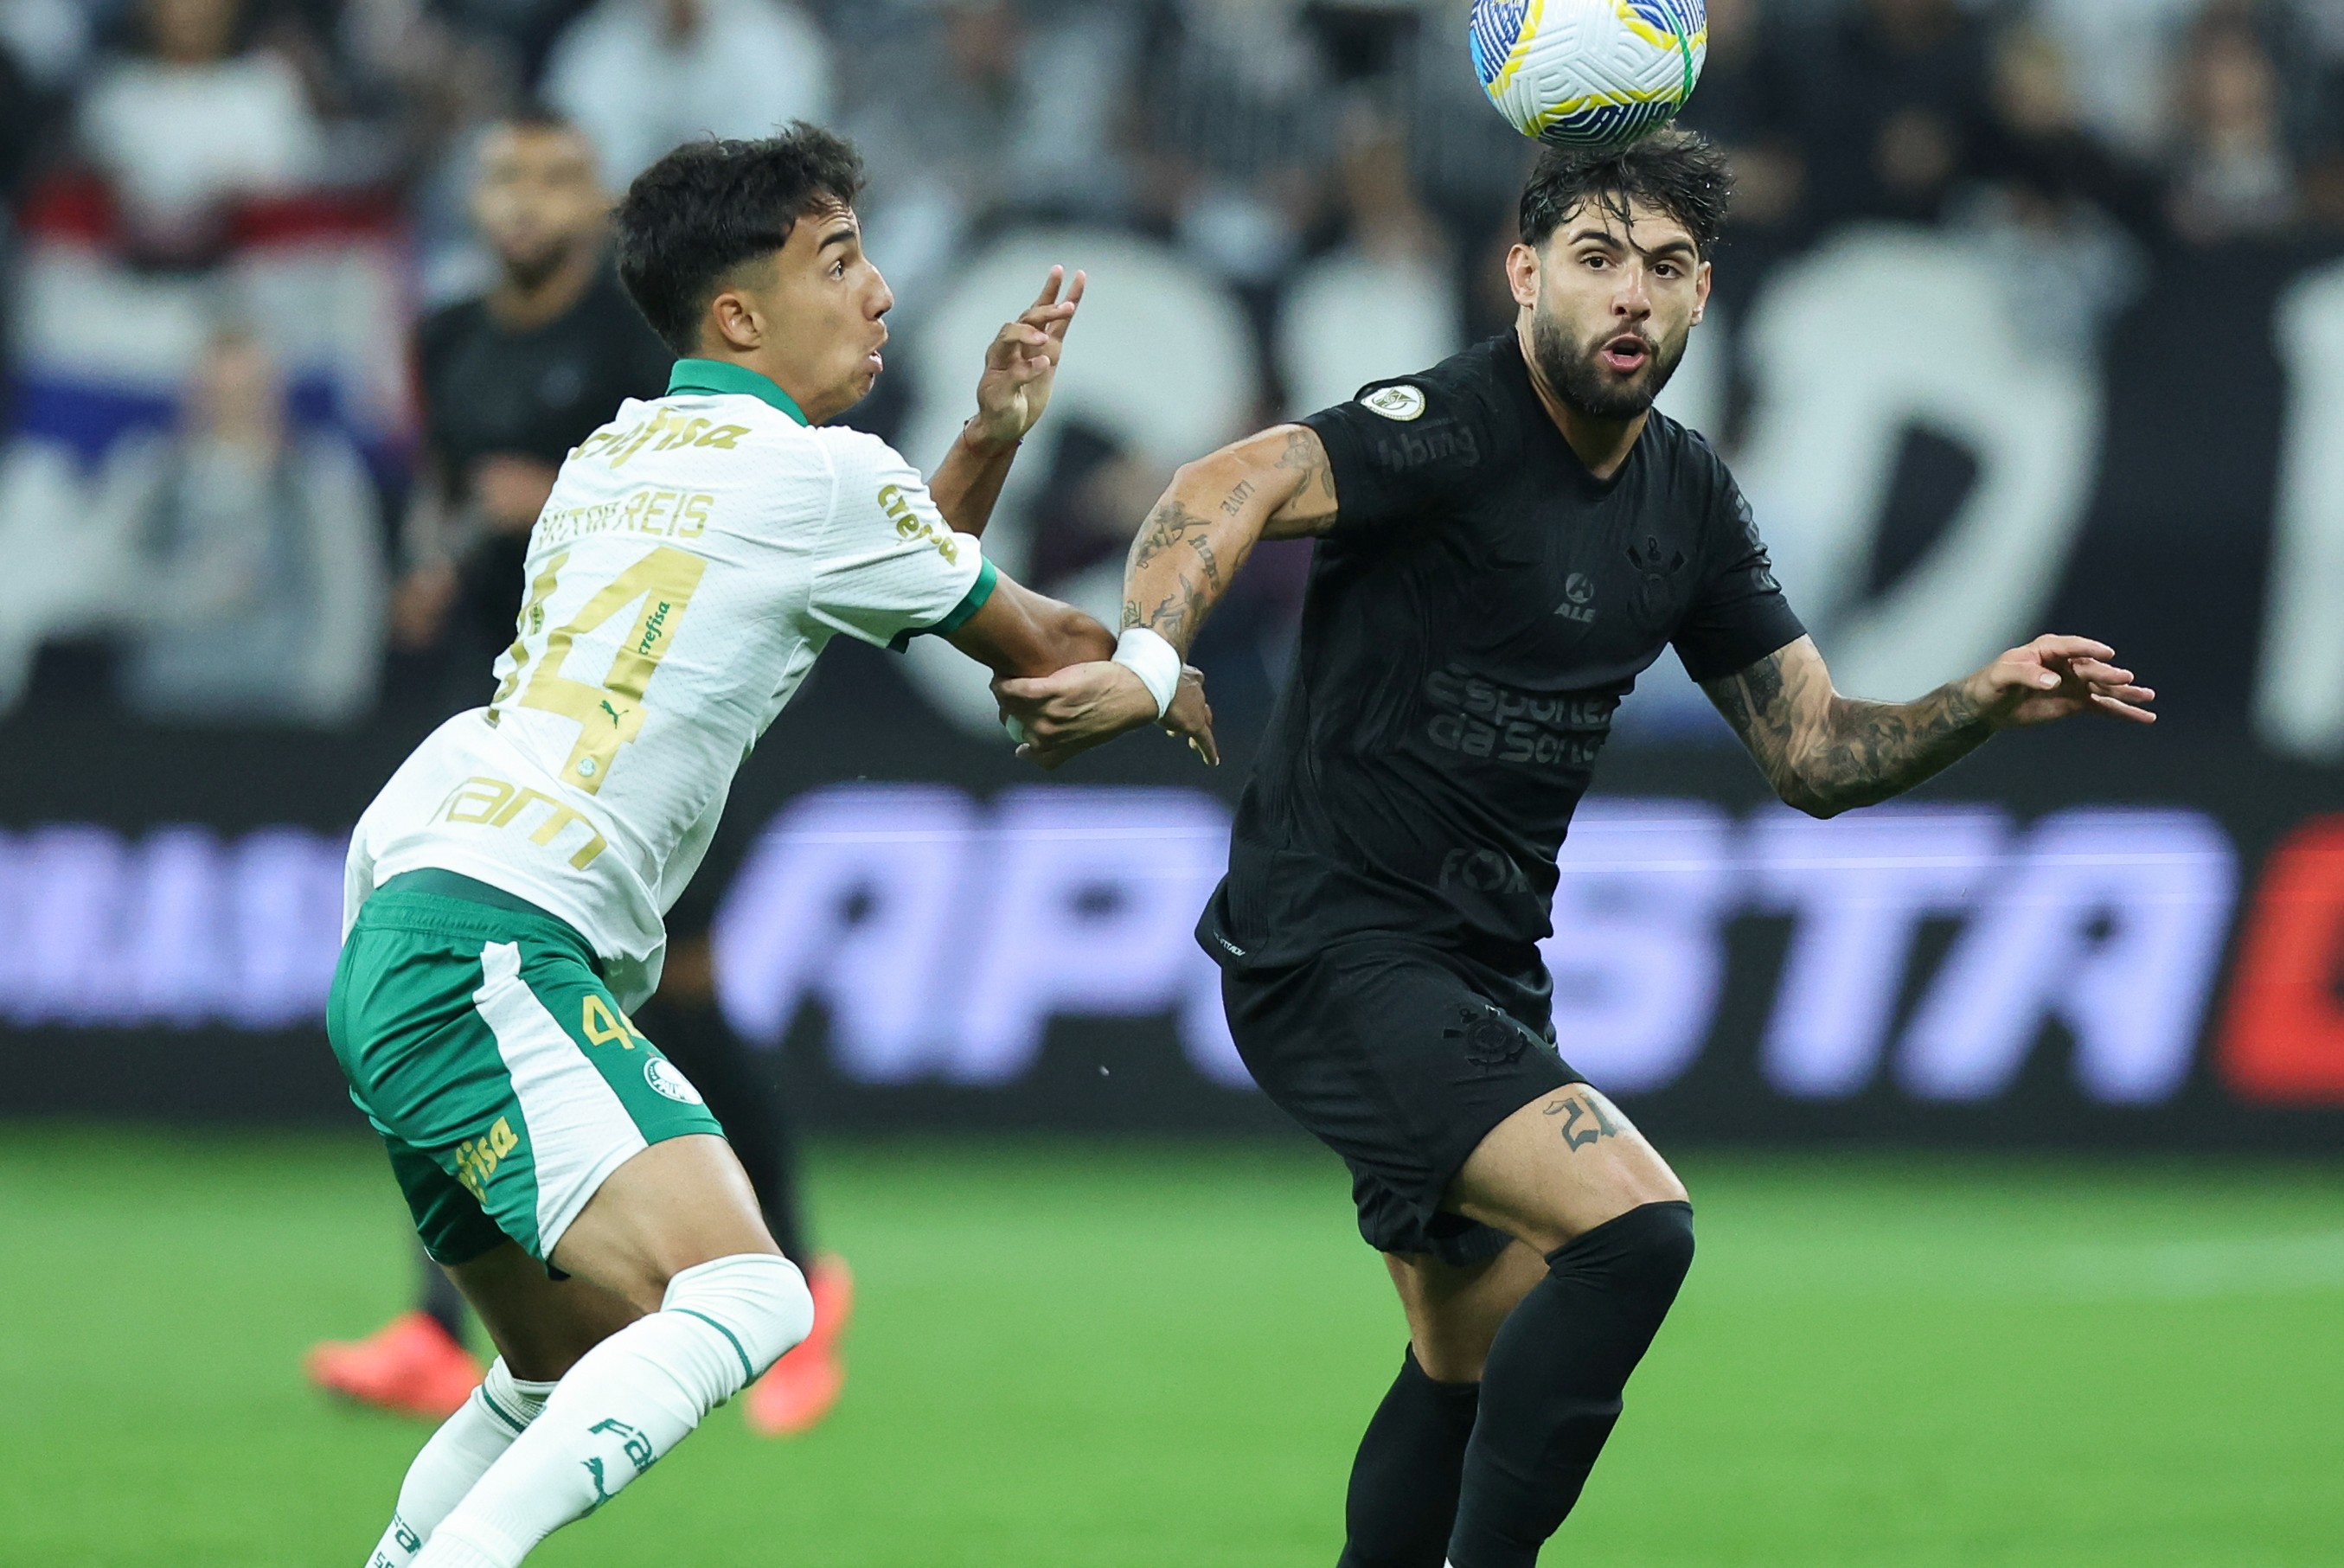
(1647, 1250)
(759, 1299)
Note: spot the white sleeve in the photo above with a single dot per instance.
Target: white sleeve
(890, 566)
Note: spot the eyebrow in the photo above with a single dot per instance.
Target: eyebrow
(843, 234)
(1670, 247)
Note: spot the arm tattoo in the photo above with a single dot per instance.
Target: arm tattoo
(1170, 525)
(1183, 559)
(1307, 456)
(1826, 754)
(1201, 578)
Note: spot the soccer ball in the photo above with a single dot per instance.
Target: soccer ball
(1589, 73)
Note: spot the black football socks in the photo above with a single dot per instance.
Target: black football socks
(1403, 1498)
(1551, 1390)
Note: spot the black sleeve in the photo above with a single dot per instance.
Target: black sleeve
(1404, 451)
(1738, 614)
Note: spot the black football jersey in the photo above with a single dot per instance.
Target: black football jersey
(490, 390)
(1479, 610)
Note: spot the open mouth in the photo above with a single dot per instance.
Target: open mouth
(1626, 354)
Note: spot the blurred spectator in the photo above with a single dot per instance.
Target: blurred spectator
(1239, 101)
(2234, 176)
(22, 107)
(510, 382)
(2125, 99)
(197, 120)
(259, 581)
(441, 85)
(526, 28)
(2057, 166)
(1892, 103)
(641, 77)
(1380, 298)
(46, 38)
(1466, 162)
(1745, 105)
(967, 109)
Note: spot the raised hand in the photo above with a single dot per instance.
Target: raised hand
(1022, 364)
(2054, 678)
(1060, 715)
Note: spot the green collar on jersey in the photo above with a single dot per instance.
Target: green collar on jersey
(722, 376)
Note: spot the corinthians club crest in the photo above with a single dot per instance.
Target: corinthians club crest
(1656, 565)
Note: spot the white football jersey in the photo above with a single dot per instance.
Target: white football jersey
(697, 552)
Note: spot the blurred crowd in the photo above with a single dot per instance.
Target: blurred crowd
(250, 542)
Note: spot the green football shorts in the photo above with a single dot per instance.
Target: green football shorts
(479, 1037)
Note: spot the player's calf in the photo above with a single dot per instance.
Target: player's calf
(631, 1399)
(1551, 1391)
(1568, 1175)
(674, 1230)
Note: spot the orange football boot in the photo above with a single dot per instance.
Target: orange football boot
(804, 1384)
(409, 1365)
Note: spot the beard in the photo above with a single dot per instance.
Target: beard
(1581, 379)
(530, 270)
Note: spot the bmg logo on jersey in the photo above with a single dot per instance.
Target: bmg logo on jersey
(1443, 440)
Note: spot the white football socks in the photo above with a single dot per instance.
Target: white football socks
(458, 1453)
(625, 1404)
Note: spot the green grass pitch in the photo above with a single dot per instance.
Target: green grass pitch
(1144, 1355)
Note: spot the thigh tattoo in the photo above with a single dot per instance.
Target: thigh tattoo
(1584, 1118)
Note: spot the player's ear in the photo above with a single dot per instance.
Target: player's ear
(735, 316)
(1701, 287)
(1522, 275)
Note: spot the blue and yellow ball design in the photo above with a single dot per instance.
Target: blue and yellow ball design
(1589, 73)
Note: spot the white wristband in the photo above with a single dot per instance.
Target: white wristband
(1156, 662)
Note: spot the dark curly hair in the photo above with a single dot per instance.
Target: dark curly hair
(709, 206)
(1678, 171)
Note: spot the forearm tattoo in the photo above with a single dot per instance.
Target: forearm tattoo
(1826, 754)
(1182, 562)
(1179, 541)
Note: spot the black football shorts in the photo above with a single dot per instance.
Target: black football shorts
(1392, 1055)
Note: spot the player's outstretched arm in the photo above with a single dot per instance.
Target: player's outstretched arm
(1826, 754)
(1274, 485)
(1019, 633)
(1021, 368)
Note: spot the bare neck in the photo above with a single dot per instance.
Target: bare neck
(1603, 445)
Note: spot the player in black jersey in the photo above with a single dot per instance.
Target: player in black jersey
(1505, 542)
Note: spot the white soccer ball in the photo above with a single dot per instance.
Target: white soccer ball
(1589, 72)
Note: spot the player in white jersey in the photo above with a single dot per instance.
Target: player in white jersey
(506, 889)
